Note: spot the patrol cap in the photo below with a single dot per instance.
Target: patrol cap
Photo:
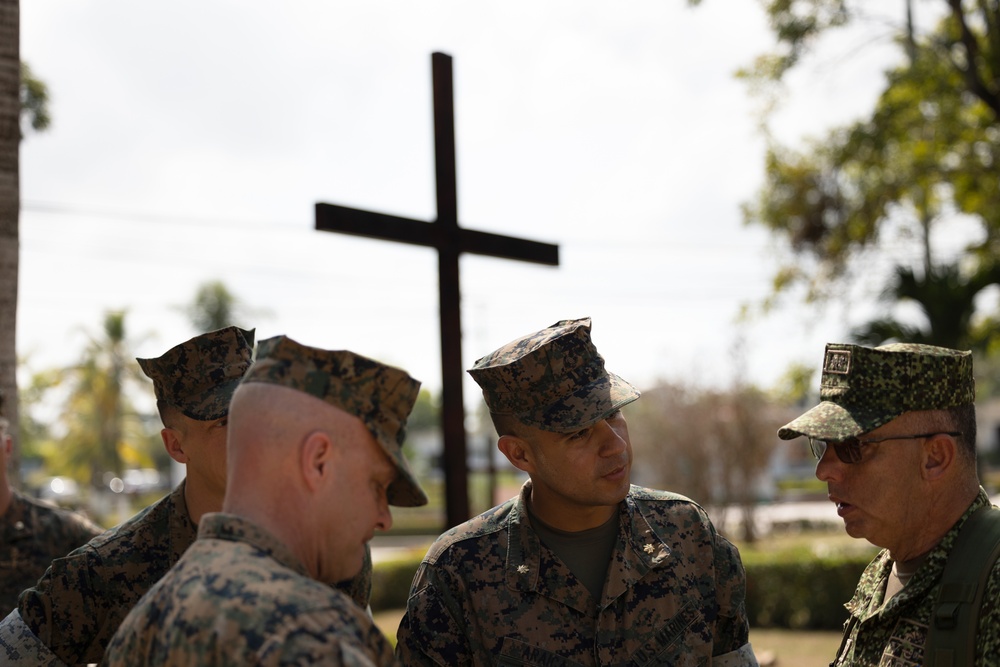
(553, 379)
(199, 376)
(863, 388)
(380, 396)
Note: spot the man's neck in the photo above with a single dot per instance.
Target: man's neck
(938, 516)
(200, 500)
(569, 518)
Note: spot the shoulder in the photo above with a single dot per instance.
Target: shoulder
(142, 529)
(477, 532)
(237, 579)
(56, 524)
(647, 495)
(666, 506)
(677, 519)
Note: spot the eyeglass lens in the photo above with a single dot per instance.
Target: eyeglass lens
(848, 451)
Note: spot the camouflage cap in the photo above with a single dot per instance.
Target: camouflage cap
(380, 396)
(553, 379)
(199, 376)
(863, 388)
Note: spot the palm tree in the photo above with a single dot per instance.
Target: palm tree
(102, 428)
(947, 299)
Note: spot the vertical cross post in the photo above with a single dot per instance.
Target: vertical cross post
(450, 240)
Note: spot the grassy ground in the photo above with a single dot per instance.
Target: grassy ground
(780, 648)
(801, 648)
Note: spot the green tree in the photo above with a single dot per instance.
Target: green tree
(100, 431)
(214, 307)
(929, 150)
(34, 100)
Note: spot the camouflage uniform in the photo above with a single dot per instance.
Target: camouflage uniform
(239, 597)
(893, 633)
(863, 388)
(489, 592)
(32, 534)
(75, 608)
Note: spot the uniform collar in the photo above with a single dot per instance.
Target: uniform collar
(533, 567)
(234, 528)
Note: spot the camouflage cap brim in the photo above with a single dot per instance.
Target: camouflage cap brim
(213, 404)
(584, 407)
(406, 490)
(863, 388)
(381, 396)
(830, 421)
(199, 376)
(553, 379)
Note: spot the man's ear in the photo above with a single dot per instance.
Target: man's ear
(173, 441)
(518, 452)
(315, 462)
(940, 452)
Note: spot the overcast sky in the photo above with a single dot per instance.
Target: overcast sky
(191, 140)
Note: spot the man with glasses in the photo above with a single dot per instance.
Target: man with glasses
(895, 439)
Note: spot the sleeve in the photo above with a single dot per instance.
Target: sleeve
(430, 632)
(20, 646)
(732, 627)
(67, 607)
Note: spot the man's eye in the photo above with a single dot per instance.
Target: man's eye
(580, 435)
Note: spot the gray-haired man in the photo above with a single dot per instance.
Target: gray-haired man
(895, 437)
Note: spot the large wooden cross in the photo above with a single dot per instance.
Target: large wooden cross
(450, 240)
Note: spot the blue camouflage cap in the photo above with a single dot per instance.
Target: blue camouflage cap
(553, 379)
(380, 396)
(863, 388)
(199, 376)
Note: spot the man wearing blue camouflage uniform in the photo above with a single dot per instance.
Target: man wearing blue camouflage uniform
(315, 459)
(581, 568)
(895, 437)
(32, 532)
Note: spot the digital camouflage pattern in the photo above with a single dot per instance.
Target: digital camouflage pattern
(488, 592)
(239, 597)
(553, 379)
(72, 611)
(380, 396)
(32, 535)
(894, 633)
(71, 614)
(198, 376)
(863, 388)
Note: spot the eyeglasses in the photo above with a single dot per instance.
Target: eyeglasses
(849, 450)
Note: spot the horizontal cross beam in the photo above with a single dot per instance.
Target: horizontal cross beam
(334, 218)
